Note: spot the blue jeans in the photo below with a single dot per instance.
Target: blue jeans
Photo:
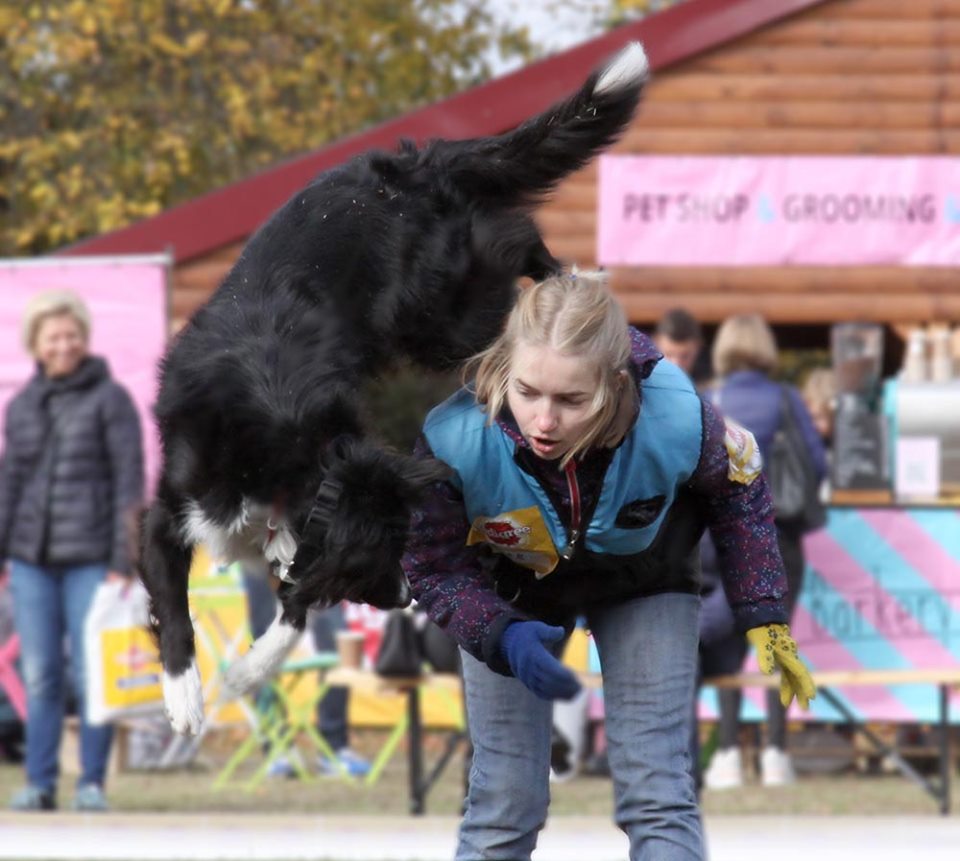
(48, 605)
(648, 654)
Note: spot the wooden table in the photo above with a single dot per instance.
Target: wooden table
(944, 679)
(411, 725)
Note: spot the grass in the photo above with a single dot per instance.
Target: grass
(191, 790)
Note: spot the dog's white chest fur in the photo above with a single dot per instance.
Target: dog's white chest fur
(257, 532)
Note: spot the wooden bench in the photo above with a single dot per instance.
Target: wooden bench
(944, 679)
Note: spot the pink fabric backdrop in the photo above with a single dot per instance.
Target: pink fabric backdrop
(819, 210)
(128, 303)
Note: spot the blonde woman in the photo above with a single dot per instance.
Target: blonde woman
(819, 393)
(584, 469)
(745, 356)
(71, 479)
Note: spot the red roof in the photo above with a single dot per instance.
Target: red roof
(233, 212)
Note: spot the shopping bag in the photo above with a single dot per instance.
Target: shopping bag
(123, 671)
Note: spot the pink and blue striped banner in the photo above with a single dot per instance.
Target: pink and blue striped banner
(881, 591)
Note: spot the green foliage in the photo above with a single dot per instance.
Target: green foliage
(114, 110)
(398, 402)
(622, 11)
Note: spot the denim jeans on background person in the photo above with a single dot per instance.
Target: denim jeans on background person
(48, 605)
(648, 652)
(332, 709)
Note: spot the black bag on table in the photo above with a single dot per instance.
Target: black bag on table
(400, 653)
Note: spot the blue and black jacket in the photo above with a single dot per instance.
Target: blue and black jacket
(497, 542)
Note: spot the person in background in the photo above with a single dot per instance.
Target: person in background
(722, 649)
(71, 482)
(745, 356)
(583, 472)
(819, 393)
(679, 337)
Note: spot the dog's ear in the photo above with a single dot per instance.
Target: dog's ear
(412, 474)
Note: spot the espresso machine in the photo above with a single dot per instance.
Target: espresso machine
(924, 401)
(860, 442)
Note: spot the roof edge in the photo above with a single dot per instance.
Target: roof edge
(231, 213)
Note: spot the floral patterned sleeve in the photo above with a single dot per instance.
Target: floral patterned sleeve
(447, 577)
(739, 514)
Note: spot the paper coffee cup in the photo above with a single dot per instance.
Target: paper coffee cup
(350, 648)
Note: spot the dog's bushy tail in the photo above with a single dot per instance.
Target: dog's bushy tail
(521, 166)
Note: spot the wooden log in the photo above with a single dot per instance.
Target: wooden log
(875, 33)
(581, 250)
(875, 281)
(228, 253)
(647, 308)
(788, 142)
(846, 678)
(580, 196)
(866, 114)
(885, 88)
(781, 60)
(566, 221)
(205, 275)
(184, 301)
(885, 9)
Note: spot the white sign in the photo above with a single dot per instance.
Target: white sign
(918, 467)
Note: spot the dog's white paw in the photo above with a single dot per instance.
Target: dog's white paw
(183, 700)
(264, 659)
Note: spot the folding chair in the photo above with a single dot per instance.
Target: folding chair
(285, 720)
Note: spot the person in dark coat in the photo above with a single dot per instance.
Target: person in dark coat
(71, 484)
(744, 357)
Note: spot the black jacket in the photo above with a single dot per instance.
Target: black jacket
(71, 474)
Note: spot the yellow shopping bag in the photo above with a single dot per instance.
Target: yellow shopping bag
(123, 670)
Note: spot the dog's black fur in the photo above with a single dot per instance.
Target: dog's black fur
(411, 253)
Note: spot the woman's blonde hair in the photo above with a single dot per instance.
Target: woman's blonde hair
(53, 303)
(576, 315)
(744, 342)
(820, 388)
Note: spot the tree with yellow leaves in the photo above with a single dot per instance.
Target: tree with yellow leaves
(112, 110)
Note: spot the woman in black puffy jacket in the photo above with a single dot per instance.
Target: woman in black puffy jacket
(71, 481)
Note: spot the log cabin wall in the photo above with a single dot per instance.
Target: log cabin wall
(843, 77)
(846, 77)
(194, 280)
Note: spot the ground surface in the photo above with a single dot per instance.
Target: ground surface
(178, 815)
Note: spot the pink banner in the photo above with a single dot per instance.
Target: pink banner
(778, 210)
(128, 303)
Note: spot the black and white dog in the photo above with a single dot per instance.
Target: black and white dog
(414, 253)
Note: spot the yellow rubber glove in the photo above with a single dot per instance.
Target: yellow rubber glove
(776, 648)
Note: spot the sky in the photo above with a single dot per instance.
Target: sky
(552, 25)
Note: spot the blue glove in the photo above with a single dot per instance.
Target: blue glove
(523, 645)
